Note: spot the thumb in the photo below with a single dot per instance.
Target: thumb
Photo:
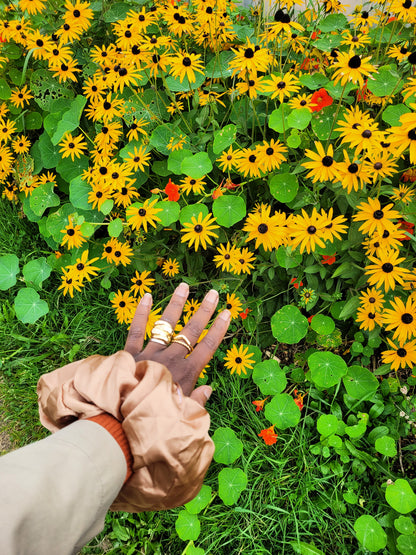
(201, 394)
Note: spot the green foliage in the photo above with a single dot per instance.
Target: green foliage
(369, 533)
(29, 306)
(289, 325)
(231, 483)
(227, 446)
(9, 268)
(401, 496)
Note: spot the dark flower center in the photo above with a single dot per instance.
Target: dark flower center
(187, 61)
(115, 175)
(107, 105)
(376, 244)
(227, 256)
(412, 58)
(371, 315)
(269, 151)
(142, 212)
(98, 194)
(141, 17)
(302, 102)
(229, 157)
(248, 53)
(108, 249)
(401, 352)
(118, 254)
(407, 318)
(355, 62)
(412, 134)
(364, 15)
(103, 171)
(327, 161)
(127, 34)
(252, 158)
(238, 360)
(55, 52)
(122, 304)
(70, 232)
(64, 67)
(66, 27)
(193, 181)
(80, 267)
(123, 191)
(371, 300)
(386, 234)
(122, 71)
(39, 43)
(135, 50)
(281, 85)
(262, 228)
(229, 306)
(353, 168)
(76, 13)
(311, 229)
(155, 58)
(198, 228)
(378, 166)
(378, 214)
(387, 267)
(71, 145)
(366, 134)
(403, 50)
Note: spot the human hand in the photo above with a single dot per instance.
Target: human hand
(185, 371)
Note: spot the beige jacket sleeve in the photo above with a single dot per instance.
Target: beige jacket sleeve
(55, 493)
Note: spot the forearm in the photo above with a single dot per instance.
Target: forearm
(55, 493)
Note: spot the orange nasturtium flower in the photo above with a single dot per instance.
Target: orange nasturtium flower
(328, 259)
(259, 404)
(268, 435)
(299, 399)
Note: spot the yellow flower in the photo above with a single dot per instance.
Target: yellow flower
(199, 231)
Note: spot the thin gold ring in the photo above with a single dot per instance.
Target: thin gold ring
(184, 341)
(160, 341)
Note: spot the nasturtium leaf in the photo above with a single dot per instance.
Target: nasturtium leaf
(69, 169)
(333, 22)
(78, 193)
(200, 501)
(405, 525)
(378, 431)
(187, 526)
(286, 258)
(406, 545)
(50, 122)
(386, 446)
(314, 81)
(107, 206)
(302, 548)
(161, 136)
(300, 118)
(5, 90)
(327, 424)
(9, 268)
(278, 118)
(160, 167)
(324, 325)
(384, 81)
(224, 137)
(229, 209)
(187, 212)
(170, 212)
(350, 497)
(369, 533)
(49, 153)
(326, 368)
(227, 445)
(282, 411)
(70, 119)
(323, 121)
(196, 166)
(293, 140)
(115, 227)
(29, 306)
(176, 158)
(217, 67)
(289, 325)
(116, 12)
(57, 220)
(33, 120)
(231, 483)
(192, 550)
(87, 229)
(392, 114)
(328, 42)
(174, 84)
(284, 186)
(42, 198)
(360, 382)
(269, 377)
(36, 271)
(401, 497)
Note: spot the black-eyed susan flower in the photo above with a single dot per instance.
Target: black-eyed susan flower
(32, 6)
(125, 195)
(377, 243)
(98, 195)
(282, 22)
(228, 159)
(270, 155)
(322, 165)
(301, 101)
(355, 40)
(67, 71)
(6, 159)
(368, 318)
(21, 144)
(124, 306)
(137, 127)
(238, 359)
(268, 231)
(94, 89)
(170, 267)
(307, 231)
(143, 215)
(83, 269)
(385, 270)
(281, 86)
(401, 317)
(404, 136)
(352, 174)
(142, 283)
(186, 64)
(252, 85)
(69, 283)
(21, 96)
(107, 108)
(57, 55)
(379, 164)
(79, 14)
(7, 128)
(351, 67)
(372, 299)
(249, 59)
(334, 227)
(68, 33)
(248, 163)
(400, 356)
(199, 231)
(225, 255)
(116, 252)
(72, 146)
(233, 304)
(176, 143)
(375, 217)
(73, 237)
(242, 262)
(191, 306)
(137, 159)
(191, 185)
(403, 193)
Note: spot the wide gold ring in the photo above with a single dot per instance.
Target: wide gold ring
(162, 333)
(184, 341)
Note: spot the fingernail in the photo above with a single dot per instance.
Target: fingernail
(212, 296)
(225, 315)
(208, 392)
(182, 290)
(146, 300)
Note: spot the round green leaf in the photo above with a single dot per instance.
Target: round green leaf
(378, 431)
(187, 526)
(29, 306)
(36, 271)
(284, 186)
(350, 497)
(303, 548)
(87, 229)
(286, 258)
(369, 533)
(282, 411)
(300, 118)
(401, 497)
(187, 212)
(407, 545)
(326, 368)
(42, 198)
(5, 90)
(405, 525)
(49, 153)
(293, 140)
(278, 118)
(229, 209)
(324, 325)
(9, 268)
(200, 501)
(223, 138)
(170, 212)
(392, 114)
(176, 158)
(197, 166)
(384, 81)
(359, 382)
(327, 424)
(192, 550)
(115, 227)
(227, 446)
(269, 377)
(386, 446)
(289, 325)
(69, 169)
(78, 193)
(174, 83)
(333, 22)
(231, 482)
(217, 67)
(322, 122)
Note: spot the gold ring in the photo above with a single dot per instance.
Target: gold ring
(162, 333)
(184, 341)
(162, 324)
(160, 341)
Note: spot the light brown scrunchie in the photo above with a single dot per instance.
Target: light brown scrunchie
(167, 431)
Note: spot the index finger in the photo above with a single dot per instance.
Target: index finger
(206, 348)
(135, 337)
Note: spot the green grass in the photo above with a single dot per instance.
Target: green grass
(289, 496)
